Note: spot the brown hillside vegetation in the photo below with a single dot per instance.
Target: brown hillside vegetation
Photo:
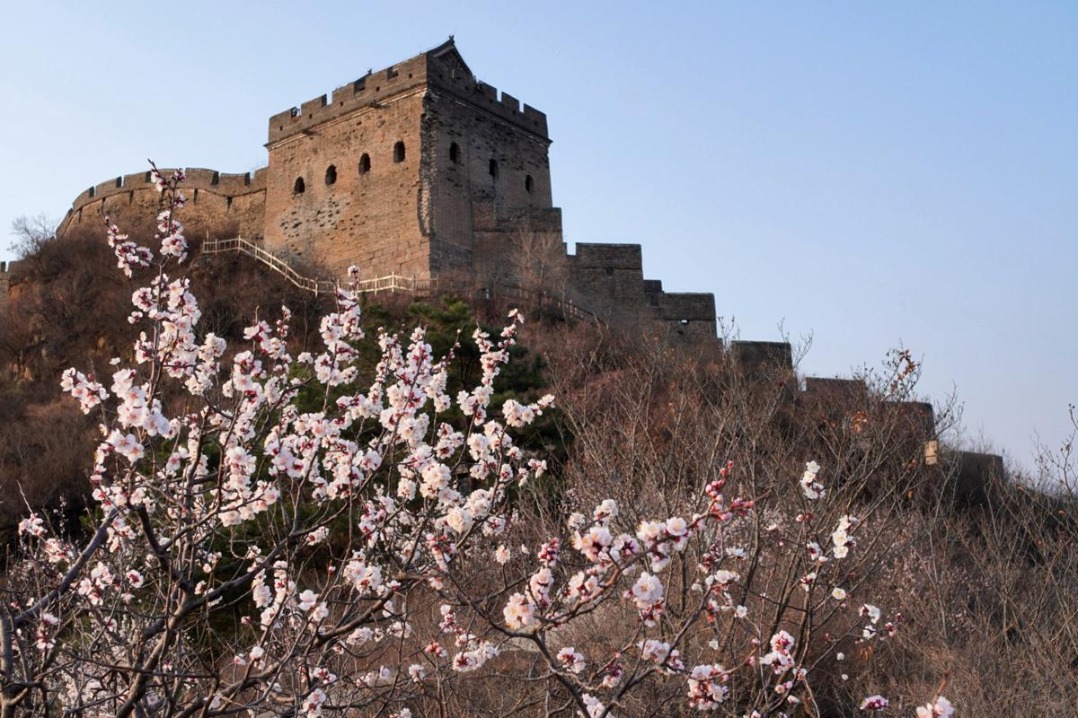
(69, 308)
(982, 583)
(977, 589)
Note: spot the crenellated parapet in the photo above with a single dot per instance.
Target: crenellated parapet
(367, 91)
(448, 71)
(441, 68)
(197, 178)
(687, 315)
(501, 104)
(831, 406)
(223, 199)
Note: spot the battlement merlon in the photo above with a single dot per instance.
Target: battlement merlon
(686, 307)
(917, 418)
(756, 356)
(835, 389)
(442, 68)
(608, 256)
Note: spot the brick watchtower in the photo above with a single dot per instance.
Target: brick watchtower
(408, 170)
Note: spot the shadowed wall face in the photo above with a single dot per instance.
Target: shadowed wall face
(348, 191)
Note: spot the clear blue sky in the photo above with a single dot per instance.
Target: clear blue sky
(876, 174)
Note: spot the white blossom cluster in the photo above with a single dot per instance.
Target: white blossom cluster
(319, 523)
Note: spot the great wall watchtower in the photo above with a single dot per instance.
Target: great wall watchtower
(418, 170)
(406, 170)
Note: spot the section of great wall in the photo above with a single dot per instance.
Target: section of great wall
(421, 173)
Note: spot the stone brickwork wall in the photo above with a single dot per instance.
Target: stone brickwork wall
(349, 191)
(688, 316)
(217, 203)
(848, 403)
(761, 358)
(610, 277)
(489, 177)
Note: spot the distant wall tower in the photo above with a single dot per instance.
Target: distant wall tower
(5, 284)
(406, 170)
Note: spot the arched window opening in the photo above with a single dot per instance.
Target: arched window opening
(398, 152)
(331, 174)
(454, 153)
(299, 187)
(364, 164)
(529, 184)
(493, 168)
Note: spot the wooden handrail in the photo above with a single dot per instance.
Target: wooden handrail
(282, 267)
(389, 283)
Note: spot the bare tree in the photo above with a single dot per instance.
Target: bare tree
(30, 234)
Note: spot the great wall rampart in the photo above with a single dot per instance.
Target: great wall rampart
(217, 200)
(420, 170)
